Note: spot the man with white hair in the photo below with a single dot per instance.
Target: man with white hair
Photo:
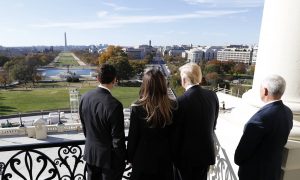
(197, 116)
(259, 153)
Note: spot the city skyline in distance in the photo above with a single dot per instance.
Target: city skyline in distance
(168, 22)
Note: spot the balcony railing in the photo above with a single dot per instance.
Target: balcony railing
(64, 161)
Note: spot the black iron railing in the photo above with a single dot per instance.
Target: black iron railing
(35, 161)
(222, 170)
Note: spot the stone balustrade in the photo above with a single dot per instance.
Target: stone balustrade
(30, 130)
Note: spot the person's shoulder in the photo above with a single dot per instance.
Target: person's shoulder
(114, 101)
(136, 106)
(89, 94)
(208, 91)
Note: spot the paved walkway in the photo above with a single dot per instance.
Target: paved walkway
(81, 63)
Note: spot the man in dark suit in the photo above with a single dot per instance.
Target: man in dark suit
(196, 121)
(259, 153)
(103, 125)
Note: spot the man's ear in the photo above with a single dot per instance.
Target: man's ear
(183, 81)
(98, 79)
(114, 81)
(266, 92)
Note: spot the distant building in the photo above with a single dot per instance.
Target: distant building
(133, 53)
(254, 55)
(93, 49)
(202, 53)
(176, 52)
(195, 55)
(239, 55)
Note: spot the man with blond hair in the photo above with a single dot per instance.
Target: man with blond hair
(195, 124)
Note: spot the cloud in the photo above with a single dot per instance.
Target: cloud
(102, 14)
(227, 3)
(193, 2)
(117, 21)
(116, 7)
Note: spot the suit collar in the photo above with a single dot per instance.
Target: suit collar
(194, 87)
(103, 90)
(279, 102)
(190, 86)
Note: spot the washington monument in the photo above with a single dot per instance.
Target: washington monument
(66, 48)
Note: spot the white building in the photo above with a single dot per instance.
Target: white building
(235, 54)
(254, 55)
(195, 55)
(202, 53)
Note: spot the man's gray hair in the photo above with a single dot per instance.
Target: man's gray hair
(275, 84)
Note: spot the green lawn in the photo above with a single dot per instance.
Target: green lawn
(66, 59)
(14, 101)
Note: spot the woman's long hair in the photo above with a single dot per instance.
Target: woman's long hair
(155, 100)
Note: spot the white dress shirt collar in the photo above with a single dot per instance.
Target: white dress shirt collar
(189, 86)
(271, 102)
(100, 86)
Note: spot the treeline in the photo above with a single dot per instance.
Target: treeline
(88, 58)
(23, 68)
(215, 73)
(126, 68)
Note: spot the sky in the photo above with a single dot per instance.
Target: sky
(129, 22)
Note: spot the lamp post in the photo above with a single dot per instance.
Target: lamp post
(21, 123)
(59, 121)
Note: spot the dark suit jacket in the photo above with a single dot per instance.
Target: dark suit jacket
(148, 148)
(195, 123)
(259, 153)
(103, 125)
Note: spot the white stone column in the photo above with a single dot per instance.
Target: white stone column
(279, 51)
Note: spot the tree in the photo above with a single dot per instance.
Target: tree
(111, 51)
(175, 84)
(124, 70)
(138, 66)
(4, 79)
(22, 70)
(239, 68)
(210, 68)
(212, 78)
(89, 58)
(227, 67)
(251, 70)
(3, 60)
(148, 58)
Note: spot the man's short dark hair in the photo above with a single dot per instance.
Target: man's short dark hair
(107, 73)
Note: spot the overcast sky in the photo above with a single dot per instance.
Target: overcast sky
(130, 22)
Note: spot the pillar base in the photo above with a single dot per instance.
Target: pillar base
(291, 161)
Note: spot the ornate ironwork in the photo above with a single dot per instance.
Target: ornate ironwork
(31, 162)
(1, 167)
(14, 168)
(70, 155)
(222, 170)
